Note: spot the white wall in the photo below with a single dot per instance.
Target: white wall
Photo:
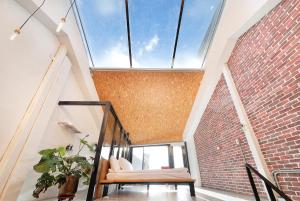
(31, 84)
(78, 116)
(237, 17)
(193, 161)
(20, 74)
(50, 15)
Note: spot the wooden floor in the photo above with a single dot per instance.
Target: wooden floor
(156, 193)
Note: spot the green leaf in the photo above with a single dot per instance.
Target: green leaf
(45, 164)
(55, 161)
(62, 151)
(53, 168)
(90, 147)
(48, 152)
(79, 159)
(43, 183)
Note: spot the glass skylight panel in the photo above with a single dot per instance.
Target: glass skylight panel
(197, 18)
(104, 23)
(153, 25)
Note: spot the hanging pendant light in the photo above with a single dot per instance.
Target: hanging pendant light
(63, 19)
(17, 31)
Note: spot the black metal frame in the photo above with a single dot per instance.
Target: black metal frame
(189, 183)
(83, 35)
(128, 33)
(127, 149)
(107, 107)
(171, 156)
(185, 156)
(177, 33)
(269, 186)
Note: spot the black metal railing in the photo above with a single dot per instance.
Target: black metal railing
(269, 186)
(112, 136)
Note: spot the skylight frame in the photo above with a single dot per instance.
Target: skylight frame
(203, 48)
(82, 33)
(177, 32)
(208, 37)
(128, 33)
(206, 43)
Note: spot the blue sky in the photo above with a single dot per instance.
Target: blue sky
(153, 25)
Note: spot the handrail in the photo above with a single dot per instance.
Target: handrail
(289, 171)
(107, 108)
(270, 187)
(92, 103)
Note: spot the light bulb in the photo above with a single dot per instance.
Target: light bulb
(15, 34)
(61, 24)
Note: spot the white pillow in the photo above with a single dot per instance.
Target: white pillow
(114, 164)
(125, 164)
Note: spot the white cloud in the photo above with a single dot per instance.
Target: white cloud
(116, 56)
(150, 46)
(107, 7)
(152, 43)
(188, 61)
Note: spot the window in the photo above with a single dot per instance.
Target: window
(117, 137)
(137, 158)
(108, 137)
(104, 23)
(153, 29)
(197, 19)
(155, 157)
(178, 157)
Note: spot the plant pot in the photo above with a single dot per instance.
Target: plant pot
(69, 188)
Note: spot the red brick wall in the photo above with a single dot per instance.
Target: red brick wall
(265, 65)
(219, 127)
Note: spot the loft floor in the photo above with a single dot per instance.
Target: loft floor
(166, 193)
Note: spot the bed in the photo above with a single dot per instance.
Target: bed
(148, 174)
(147, 177)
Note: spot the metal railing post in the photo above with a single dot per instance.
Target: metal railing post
(270, 192)
(92, 184)
(252, 184)
(269, 185)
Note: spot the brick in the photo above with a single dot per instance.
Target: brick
(265, 65)
(220, 126)
(270, 83)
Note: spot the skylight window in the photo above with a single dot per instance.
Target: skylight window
(104, 24)
(153, 28)
(148, 29)
(196, 20)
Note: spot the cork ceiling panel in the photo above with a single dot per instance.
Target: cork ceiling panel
(152, 106)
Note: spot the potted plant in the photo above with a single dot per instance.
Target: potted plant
(58, 167)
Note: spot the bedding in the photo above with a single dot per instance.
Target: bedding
(114, 164)
(125, 164)
(150, 175)
(173, 170)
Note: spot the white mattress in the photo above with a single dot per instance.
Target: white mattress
(173, 170)
(150, 175)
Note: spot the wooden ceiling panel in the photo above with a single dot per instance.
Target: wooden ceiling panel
(152, 106)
